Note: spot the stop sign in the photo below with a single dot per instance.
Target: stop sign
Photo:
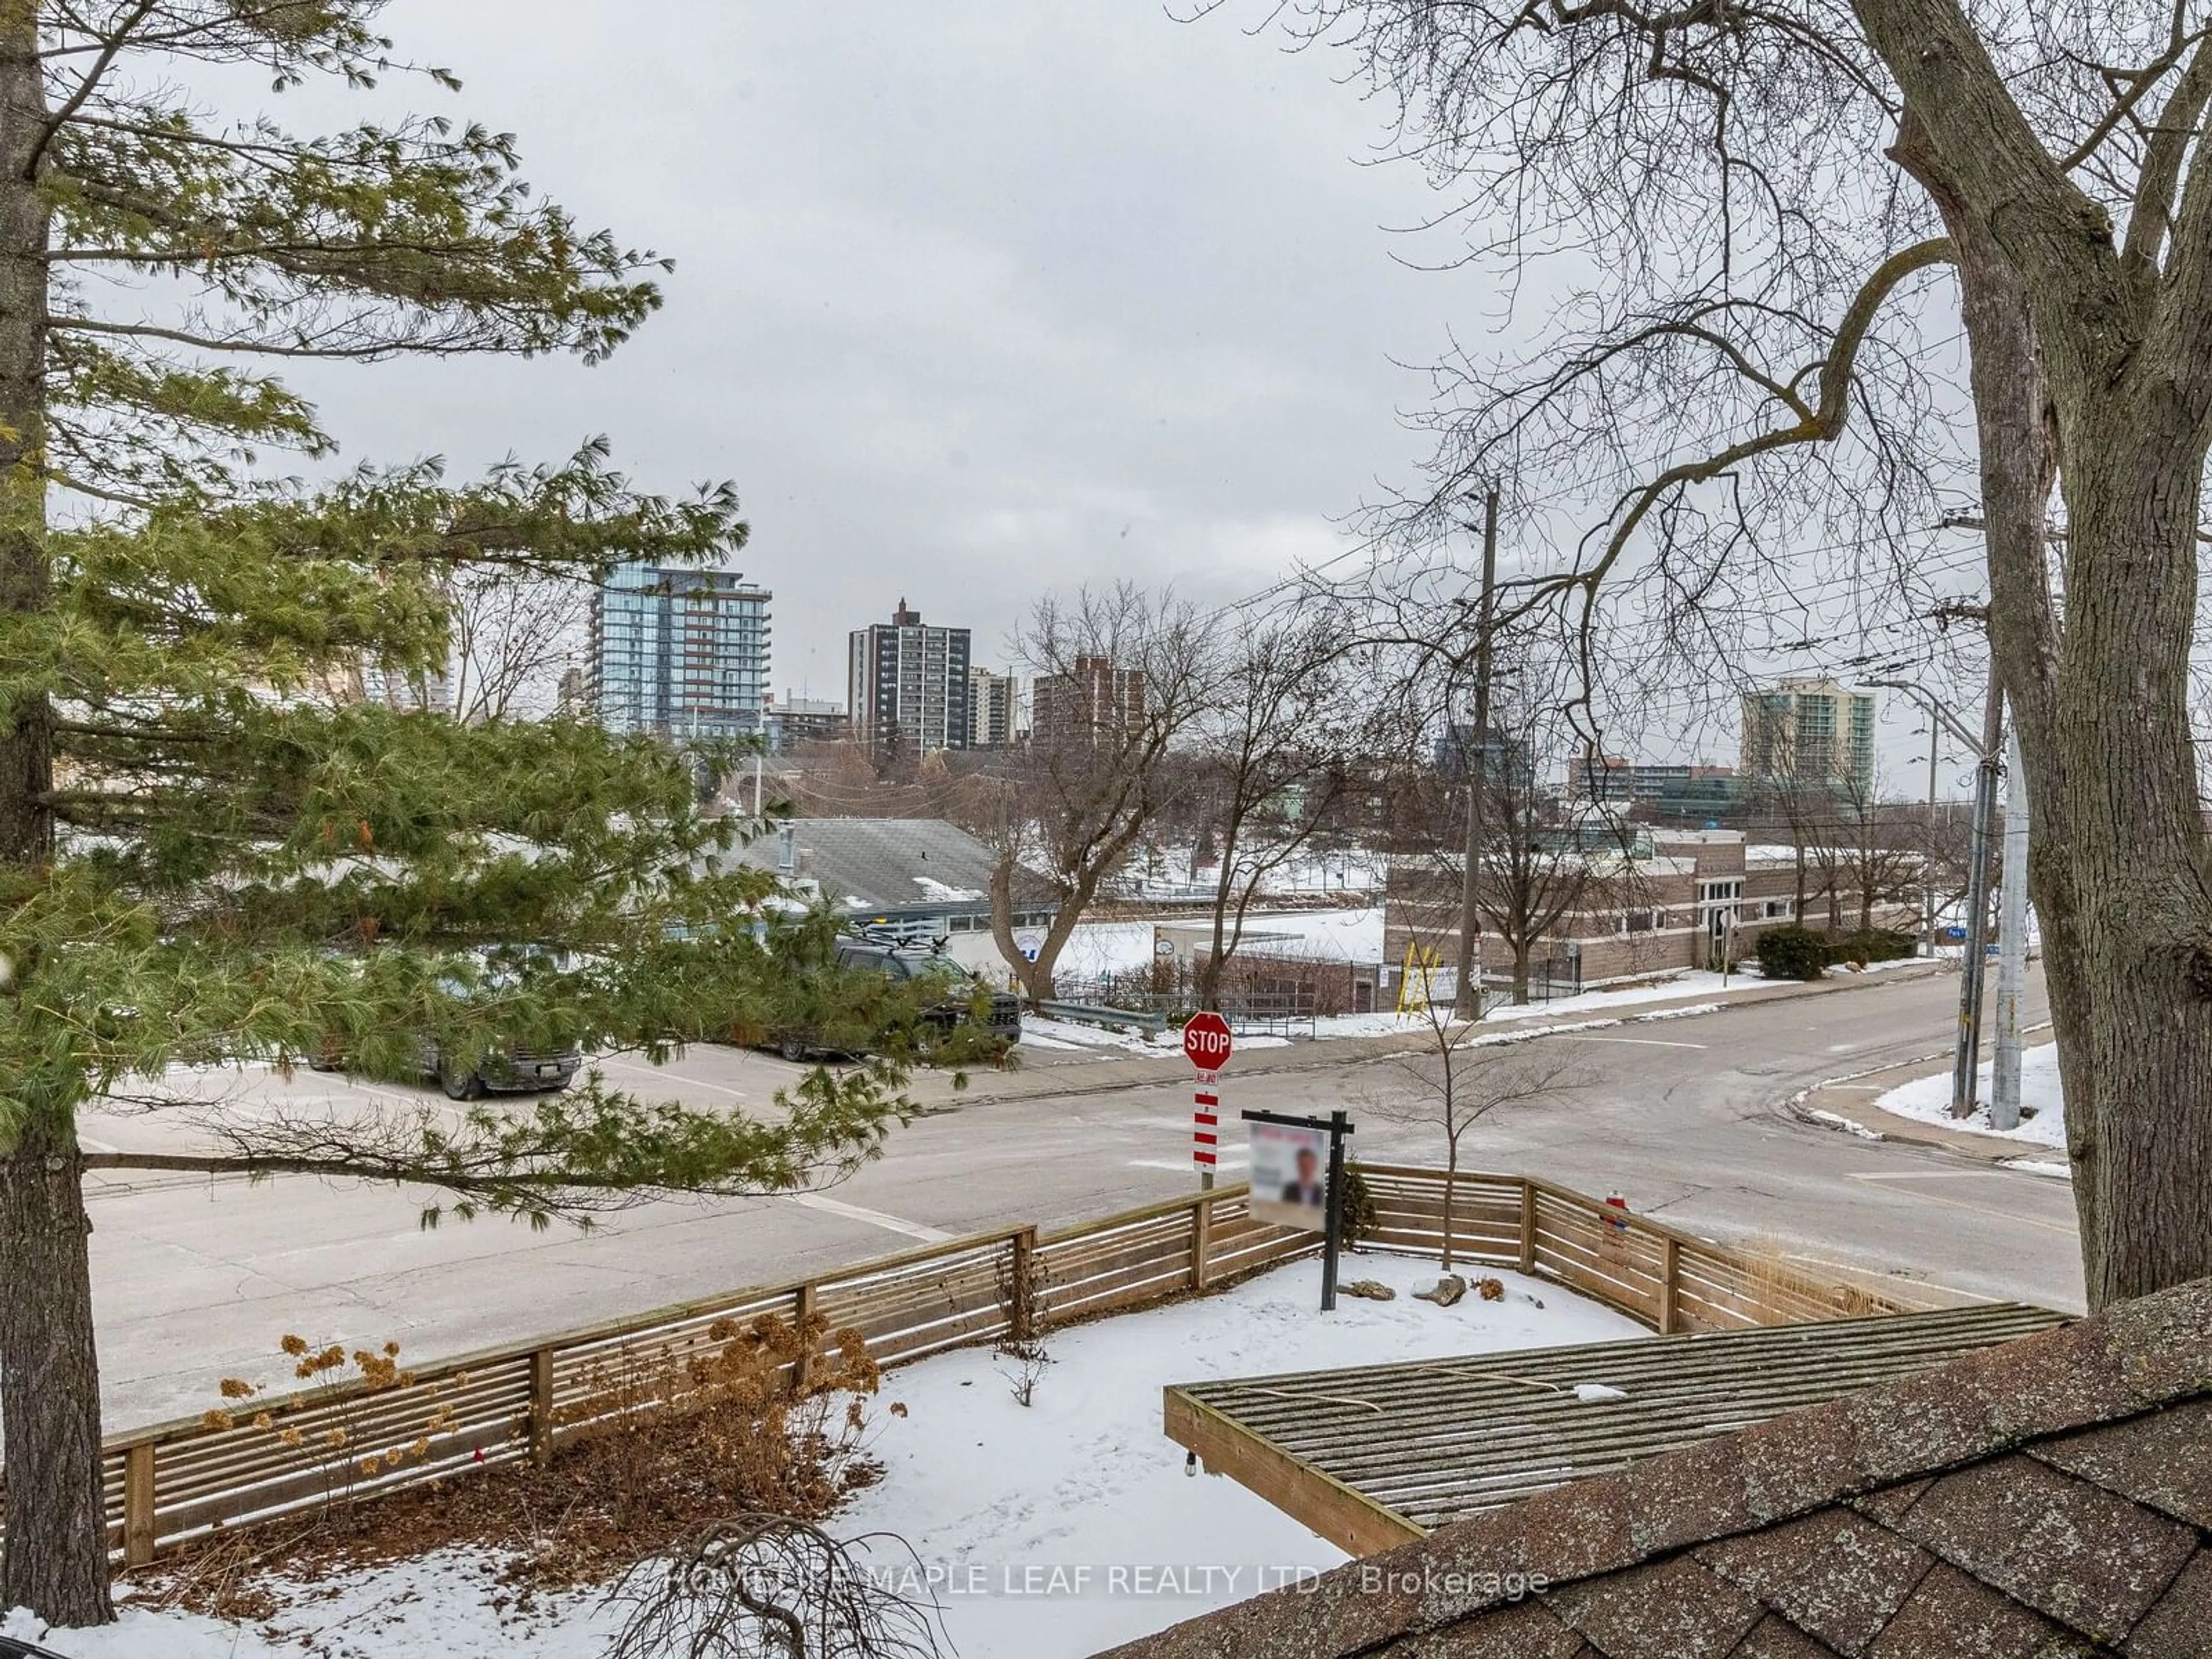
(1207, 1043)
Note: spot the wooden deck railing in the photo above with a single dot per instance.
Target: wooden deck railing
(175, 1481)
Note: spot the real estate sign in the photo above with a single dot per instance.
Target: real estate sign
(1290, 1175)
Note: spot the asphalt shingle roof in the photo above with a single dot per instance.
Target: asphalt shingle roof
(2049, 1497)
(889, 864)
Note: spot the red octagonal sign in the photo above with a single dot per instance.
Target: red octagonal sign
(1206, 1042)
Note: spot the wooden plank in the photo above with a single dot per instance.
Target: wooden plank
(1354, 1523)
(138, 1472)
(541, 1406)
(1147, 1212)
(804, 1310)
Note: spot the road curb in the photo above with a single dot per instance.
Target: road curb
(1837, 1105)
(1164, 1068)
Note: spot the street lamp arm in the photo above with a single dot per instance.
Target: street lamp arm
(1928, 701)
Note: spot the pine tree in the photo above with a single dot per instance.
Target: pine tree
(209, 852)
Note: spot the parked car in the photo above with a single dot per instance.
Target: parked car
(502, 1072)
(960, 1000)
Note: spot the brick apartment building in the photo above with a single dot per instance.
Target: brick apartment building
(1671, 903)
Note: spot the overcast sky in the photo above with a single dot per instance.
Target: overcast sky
(972, 300)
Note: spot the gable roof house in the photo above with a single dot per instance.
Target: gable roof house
(2049, 1495)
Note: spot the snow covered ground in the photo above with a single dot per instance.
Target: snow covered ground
(1357, 936)
(1039, 1032)
(1928, 1100)
(1051, 1530)
(1097, 948)
(1713, 991)
(1168, 872)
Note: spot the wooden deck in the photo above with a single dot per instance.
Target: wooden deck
(1378, 1456)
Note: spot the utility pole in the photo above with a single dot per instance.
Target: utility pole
(1971, 974)
(1938, 716)
(2012, 942)
(1466, 995)
(1927, 864)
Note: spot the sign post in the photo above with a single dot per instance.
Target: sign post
(1287, 1186)
(1208, 1044)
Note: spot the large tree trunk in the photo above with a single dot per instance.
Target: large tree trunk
(27, 734)
(2117, 848)
(54, 1558)
(2121, 764)
(2019, 467)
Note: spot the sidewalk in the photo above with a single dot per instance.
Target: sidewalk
(1846, 1105)
(1071, 1077)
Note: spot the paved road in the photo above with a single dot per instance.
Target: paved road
(196, 1279)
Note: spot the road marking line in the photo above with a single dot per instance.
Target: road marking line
(874, 1217)
(1920, 1174)
(1640, 1042)
(1229, 1160)
(667, 1075)
(1980, 1209)
(1875, 1276)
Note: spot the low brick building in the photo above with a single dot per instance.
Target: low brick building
(1671, 899)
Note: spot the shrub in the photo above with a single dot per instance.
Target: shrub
(1357, 1219)
(1875, 944)
(1792, 952)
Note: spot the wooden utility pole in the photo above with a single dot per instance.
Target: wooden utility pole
(1466, 995)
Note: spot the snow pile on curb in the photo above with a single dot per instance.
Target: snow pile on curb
(1050, 1530)
(2042, 1103)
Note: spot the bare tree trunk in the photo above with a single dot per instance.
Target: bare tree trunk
(1208, 983)
(1523, 948)
(2018, 429)
(1002, 921)
(1451, 1181)
(2117, 845)
(2119, 758)
(53, 1559)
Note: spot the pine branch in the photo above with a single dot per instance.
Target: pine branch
(590, 1151)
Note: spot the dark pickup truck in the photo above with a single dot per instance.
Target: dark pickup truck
(960, 1005)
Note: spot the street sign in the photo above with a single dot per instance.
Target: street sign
(1030, 944)
(1207, 1043)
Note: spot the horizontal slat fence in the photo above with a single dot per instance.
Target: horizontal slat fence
(1654, 1273)
(172, 1483)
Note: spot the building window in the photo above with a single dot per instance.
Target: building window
(1778, 908)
